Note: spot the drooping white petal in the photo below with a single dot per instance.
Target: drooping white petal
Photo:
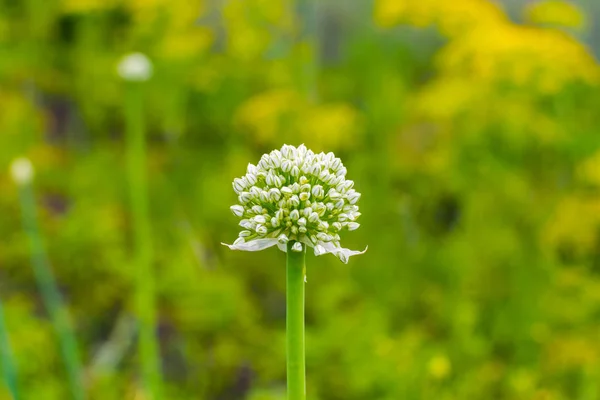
(253, 245)
(340, 252)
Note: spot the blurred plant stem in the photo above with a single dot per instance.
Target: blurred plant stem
(142, 240)
(51, 294)
(8, 366)
(296, 379)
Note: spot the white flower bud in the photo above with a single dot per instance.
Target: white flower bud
(286, 191)
(294, 201)
(251, 179)
(286, 166)
(317, 191)
(246, 223)
(21, 171)
(245, 233)
(304, 196)
(274, 194)
(264, 197)
(353, 226)
(238, 185)
(303, 180)
(275, 222)
(297, 247)
(261, 230)
(237, 210)
(341, 172)
(334, 195)
(283, 239)
(343, 217)
(353, 197)
(302, 221)
(294, 215)
(256, 209)
(324, 237)
(260, 219)
(251, 170)
(339, 204)
(337, 226)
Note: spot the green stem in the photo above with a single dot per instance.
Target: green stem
(51, 295)
(296, 380)
(6, 357)
(144, 297)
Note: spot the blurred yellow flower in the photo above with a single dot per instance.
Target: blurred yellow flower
(555, 12)
(286, 115)
(439, 367)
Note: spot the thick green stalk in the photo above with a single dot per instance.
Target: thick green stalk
(296, 380)
(142, 241)
(6, 357)
(51, 295)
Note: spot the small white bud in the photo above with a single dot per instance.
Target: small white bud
(343, 217)
(303, 180)
(339, 204)
(317, 191)
(261, 230)
(294, 215)
(246, 223)
(353, 226)
(297, 247)
(334, 195)
(286, 166)
(256, 209)
(251, 170)
(353, 197)
(341, 172)
(283, 239)
(286, 191)
(260, 219)
(274, 194)
(251, 179)
(302, 221)
(21, 171)
(245, 233)
(314, 217)
(237, 210)
(275, 222)
(324, 237)
(304, 196)
(337, 226)
(294, 201)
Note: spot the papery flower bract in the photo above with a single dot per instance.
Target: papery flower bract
(295, 194)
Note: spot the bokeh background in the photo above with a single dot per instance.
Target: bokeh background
(471, 127)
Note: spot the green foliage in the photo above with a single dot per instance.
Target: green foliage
(473, 139)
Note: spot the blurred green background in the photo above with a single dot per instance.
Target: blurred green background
(471, 127)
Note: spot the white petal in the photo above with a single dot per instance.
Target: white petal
(340, 252)
(253, 245)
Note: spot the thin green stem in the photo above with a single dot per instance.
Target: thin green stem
(296, 379)
(142, 238)
(8, 366)
(51, 295)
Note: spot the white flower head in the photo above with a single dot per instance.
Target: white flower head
(135, 67)
(21, 171)
(296, 195)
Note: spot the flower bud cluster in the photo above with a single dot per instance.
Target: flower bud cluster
(295, 194)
